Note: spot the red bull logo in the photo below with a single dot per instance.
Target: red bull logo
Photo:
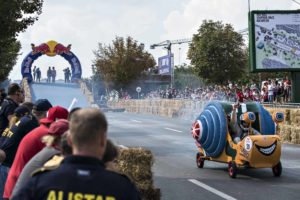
(51, 48)
(59, 49)
(42, 48)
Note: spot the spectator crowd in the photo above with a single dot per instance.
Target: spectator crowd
(272, 91)
(48, 152)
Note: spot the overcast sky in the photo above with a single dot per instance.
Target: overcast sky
(85, 23)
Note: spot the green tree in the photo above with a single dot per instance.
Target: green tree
(122, 62)
(15, 17)
(218, 53)
(185, 77)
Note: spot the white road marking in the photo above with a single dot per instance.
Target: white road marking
(136, 121)
(170, 129)
(213, 190)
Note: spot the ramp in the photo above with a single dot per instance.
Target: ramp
(59, 93)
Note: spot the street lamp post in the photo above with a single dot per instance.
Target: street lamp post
(249, 6)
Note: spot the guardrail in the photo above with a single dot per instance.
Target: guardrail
(279, 105)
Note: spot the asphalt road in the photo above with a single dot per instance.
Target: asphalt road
(175, 170)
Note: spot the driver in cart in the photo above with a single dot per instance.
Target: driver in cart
(242, 128)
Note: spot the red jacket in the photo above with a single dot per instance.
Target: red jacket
(240, 96)
(30, 145)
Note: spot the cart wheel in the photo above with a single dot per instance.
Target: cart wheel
(232, 169)
(199, 160)
(277, 169)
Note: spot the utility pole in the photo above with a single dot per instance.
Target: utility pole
(249, 6)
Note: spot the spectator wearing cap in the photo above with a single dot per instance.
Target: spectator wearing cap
(85, 169)
(30, 145)
(22, 123)
(13, 134)
(52, 141)
(41, 108)
(11, 137)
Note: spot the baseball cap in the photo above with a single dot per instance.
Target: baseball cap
(55, 113)
(58, 127)
(21, 111)
(42, 105)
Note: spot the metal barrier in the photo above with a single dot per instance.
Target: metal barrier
(279, 105)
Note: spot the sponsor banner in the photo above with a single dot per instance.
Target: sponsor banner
(165, 64)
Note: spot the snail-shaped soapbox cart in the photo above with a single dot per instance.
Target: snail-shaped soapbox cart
(213, 135)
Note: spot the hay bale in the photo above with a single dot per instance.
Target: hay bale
(287, 116)
(285, 132)
(136, 163)
(295, 120)
(295, 116)
(151, 193)
(295, 134)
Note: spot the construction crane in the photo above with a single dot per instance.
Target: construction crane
(168, 44)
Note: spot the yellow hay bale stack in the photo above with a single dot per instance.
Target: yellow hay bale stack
(156, 109)
(174, 113)
(144, 103)
(158, 102)
(287, 116)
(163, 102)
(134, 109)
(149, 109)
(128, 103)
(296, 120)
(150, 102)
(168, 103)
(271, 110)
(178, 104)
(136, 163)
(295, 134)
(285, 132)
(187, 103)
(295, 116)
(164, 111)
(170, 112)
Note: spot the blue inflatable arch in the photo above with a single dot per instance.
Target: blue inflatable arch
(51, 48)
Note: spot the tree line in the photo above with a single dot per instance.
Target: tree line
(218, 54)
(15, 17)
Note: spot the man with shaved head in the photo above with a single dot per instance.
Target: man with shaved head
(83, 174)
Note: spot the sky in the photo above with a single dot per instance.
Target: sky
(85, 23)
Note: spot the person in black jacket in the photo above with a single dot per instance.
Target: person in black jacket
(2, 95)
(82, 175)
(8, 105)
